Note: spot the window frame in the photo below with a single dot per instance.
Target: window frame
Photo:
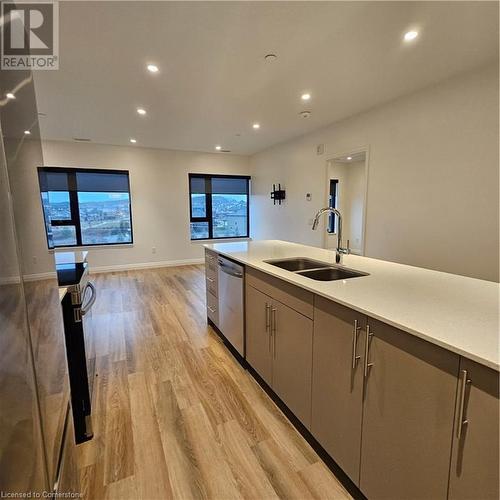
(332, 203)
(208, 205)
(74, 205)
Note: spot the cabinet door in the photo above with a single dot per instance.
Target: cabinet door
(337, 383)
(292, 363)
(258, 335)
(475, 464)
(408, 416)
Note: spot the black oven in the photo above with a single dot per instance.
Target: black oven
(76, 306)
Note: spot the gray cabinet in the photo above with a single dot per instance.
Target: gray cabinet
(258, 334)
(475, 464)
(402, 417)
(292, 335)
(408, 415)
(279, 346)
(337, 385)
(212, 286)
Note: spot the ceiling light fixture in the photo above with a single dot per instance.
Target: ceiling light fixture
(141, 111)
(410, 35)
(349, 157)
(133, 141)
(10, 95)
(218, 148)
(27, 132)
(256, 126)
(305, 97)
(305, 114)
(153, 68)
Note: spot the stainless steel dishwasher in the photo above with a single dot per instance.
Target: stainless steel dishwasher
(231, 314)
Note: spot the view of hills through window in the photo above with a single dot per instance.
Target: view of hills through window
(229, 215)
(104, 217)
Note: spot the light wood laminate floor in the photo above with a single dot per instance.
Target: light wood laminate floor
(174, 414)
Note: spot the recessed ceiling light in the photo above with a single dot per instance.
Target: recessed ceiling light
(410, 35)
(133, 141)
(305, 114)
(256, 126)
(349, 157)
(141, 111)
(270, 57)
(10, 95)
(218, 148)
(305, 97)
(152, 68)
(27, 132)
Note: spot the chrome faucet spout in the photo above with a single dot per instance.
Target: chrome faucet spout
(340, 250)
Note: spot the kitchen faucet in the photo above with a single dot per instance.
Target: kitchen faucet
(340, 250)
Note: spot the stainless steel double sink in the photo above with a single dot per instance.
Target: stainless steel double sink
(315, 269)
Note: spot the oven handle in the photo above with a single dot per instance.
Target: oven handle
(85, 309)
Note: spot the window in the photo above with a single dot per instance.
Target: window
(332, 203)
(219, 206)
(85, 206)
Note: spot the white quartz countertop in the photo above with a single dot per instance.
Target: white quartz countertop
(70, 257)
(455, 312)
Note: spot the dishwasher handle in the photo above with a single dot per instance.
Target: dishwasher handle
(230, 270)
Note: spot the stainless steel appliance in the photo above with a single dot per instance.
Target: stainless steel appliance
(76, 305)
(231, 303)
(37, 451)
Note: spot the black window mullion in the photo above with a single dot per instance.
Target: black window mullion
(208, 187)
(208, 205)
(73, 203)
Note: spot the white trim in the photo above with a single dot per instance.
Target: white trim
(10, 280)
(145, 265)
(221, 240)
(85, 248)
(40, 276)
(120, 267)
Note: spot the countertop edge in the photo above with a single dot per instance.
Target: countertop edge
(449, 347)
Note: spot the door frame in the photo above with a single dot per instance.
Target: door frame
(352, 151)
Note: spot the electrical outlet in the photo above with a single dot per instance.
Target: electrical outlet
(153, 250)
(35, 259)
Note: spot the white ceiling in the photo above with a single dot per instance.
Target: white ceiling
(214, 82)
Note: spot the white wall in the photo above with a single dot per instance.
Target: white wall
(432, 185)
(159, 193)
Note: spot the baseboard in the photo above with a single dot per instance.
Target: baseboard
(110, 269)
(145, 265)
(40, 276)
(10, 280)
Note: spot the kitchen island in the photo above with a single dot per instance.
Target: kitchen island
(394, 374)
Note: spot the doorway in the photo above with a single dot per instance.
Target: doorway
(346, 190)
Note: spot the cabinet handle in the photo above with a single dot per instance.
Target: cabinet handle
(211, 309)
(268, 324)
(211, 280)
(367, 350)
(268, 317)
(464, 381)
(273, 329)
(355, 357)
